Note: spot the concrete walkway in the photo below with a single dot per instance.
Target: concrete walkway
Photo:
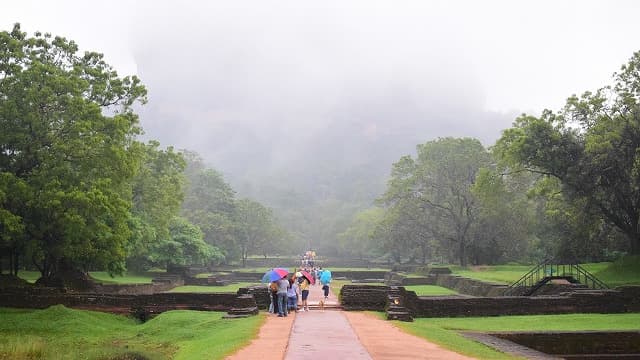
(319, 334)
(333, 335)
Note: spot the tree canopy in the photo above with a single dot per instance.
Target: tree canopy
(591, 147)
(60, 145)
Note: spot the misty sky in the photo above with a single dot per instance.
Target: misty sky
(258, 85)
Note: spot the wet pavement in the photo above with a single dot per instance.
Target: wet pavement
(332, 334)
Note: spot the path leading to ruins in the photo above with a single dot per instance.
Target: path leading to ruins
(336, 334)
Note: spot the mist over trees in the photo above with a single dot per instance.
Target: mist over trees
(560, 185)
(79, 192)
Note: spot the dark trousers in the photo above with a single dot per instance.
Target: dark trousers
(274, 299)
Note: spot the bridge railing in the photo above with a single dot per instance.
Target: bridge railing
(548, 270)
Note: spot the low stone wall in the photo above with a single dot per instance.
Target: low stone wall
(260, 293)
(140, 305)
(584, 343)
(418, 281)
(579, 302)
(364, 297)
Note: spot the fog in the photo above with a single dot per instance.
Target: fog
(319, 98)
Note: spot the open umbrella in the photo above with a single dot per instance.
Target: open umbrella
(308, 276)
(274, 274)
(325, 277)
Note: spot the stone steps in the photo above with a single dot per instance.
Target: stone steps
(236, 313)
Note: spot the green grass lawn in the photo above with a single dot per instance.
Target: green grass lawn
(105, 278)
(213, 289)
(30, 276)
(100, 276)
(356, 269)
(430, 290)
(62, 333)
(444, 331)
(625, 271)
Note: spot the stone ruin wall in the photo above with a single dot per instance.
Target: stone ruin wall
(140, 305)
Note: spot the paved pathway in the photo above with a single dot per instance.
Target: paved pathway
(324, 334)
(336, 335)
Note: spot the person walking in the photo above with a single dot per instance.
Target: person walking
(304, 293)
(292, 294)
(283, 286)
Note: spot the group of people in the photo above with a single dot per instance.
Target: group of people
(287, 292)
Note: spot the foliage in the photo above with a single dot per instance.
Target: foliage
(258, 231)
(359, 240)
(211, 205)
(157, 198)
(591, 146)
(505, 220)
(431, 196)
(184, 246)
(74, 161)
(59, 332)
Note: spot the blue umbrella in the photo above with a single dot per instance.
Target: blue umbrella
(274, 275)
(325, 277)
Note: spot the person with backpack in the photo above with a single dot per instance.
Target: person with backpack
(273, 294)
(283, 286)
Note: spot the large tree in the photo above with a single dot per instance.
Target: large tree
(67, 133)
(592, 146)
(438, 183)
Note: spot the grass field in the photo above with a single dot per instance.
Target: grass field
(100, 276)
(62, 333)
(444, 331)
(624, 271)
(430, 290)
(231, 288)
(104, 277)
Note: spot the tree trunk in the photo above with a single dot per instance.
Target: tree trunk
(15, 263)
(463, 256)
(635, 244)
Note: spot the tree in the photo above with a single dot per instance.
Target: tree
(438, 182)
(592, 146)
(75, 162)
(505, 221)
(256, 227)
(12, 191)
